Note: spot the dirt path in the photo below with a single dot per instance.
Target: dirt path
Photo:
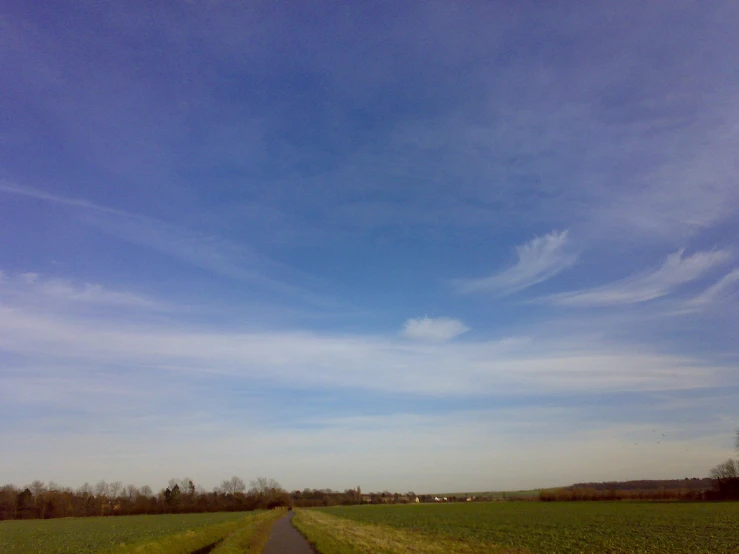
(285, 539)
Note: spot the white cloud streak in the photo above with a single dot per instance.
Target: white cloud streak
(720, 290)
(359, 362)
(433, 329)
(693, 188)
(676, 270)
(217, 255)
(64, 291)
(93, 293)
(30, 192)
(538, 260)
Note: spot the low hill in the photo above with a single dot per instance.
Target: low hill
(694, 484)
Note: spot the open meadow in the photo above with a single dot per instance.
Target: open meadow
(144, 534)
(535, 527)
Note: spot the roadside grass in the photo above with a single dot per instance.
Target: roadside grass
(144, 534)
(252, 538)
(187, 542)
(337, 535)
(543, 527)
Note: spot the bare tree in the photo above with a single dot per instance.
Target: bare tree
(269, 492)
(85, 489)
(727, 470)
(102, 489)
(264, 486)
(102, 492)
(233, 485)
(132, 492)
(116, 488)
(37, 488)
(146, 491)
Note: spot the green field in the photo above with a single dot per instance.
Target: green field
(98, 534)
(603, 527)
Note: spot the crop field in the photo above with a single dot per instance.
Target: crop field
(101, 534)
(535, 527)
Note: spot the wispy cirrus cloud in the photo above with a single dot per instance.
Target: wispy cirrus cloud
(538, 260)
(66, 291)
(359, 362)
(433, 329)
(30, 192)
(720, 290)
(676, 270)
(202, 250)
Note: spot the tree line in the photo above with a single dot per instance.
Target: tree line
(726, 476)
(645, 485)
(44, 501)
(663, 489)
(587, 494)
(40, 500)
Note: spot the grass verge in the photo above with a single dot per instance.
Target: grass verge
(252, 538)
(335, 535)
(191, 540)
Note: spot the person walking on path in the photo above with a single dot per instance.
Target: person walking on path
(286, 539)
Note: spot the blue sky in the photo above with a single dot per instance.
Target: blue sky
(420, 247)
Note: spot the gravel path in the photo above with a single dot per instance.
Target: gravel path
(285, 539)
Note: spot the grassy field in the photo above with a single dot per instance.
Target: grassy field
(154, 533)
(604, 527)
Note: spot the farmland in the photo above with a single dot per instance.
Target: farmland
(534, 527)
(103, 534)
